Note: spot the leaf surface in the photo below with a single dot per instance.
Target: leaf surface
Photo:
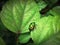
(24, 38)
(16, 14)
(46, 26)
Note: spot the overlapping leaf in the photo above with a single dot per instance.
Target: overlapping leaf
(24, 38)
(54, 40)
(46, 27)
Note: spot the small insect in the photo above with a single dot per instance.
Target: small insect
(32, 26)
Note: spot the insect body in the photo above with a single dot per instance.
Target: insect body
(32, 26)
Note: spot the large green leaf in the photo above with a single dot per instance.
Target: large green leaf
(46, 27)
(17, 14)
(31, 15)
(1, 41)
(11, 17)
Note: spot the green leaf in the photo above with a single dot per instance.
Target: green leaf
(10, 17)
(46, 27)
(55, 11)
(24, 38)
(54, 40)
(41, 4)
(2, 28)
(17, 14)
(1, 41)
(1, 25)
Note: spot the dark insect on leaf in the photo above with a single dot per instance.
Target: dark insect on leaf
(32, 26)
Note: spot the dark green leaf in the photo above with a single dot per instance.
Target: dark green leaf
(2, 27)
(54, 40)
(2, 42)
(50, 2)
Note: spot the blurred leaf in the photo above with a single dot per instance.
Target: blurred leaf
(41, 4)
(54, 40)
(12, 15)
(50, 2)
(17, 14)
(1, 41)
(2, 27)
(55, 11)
